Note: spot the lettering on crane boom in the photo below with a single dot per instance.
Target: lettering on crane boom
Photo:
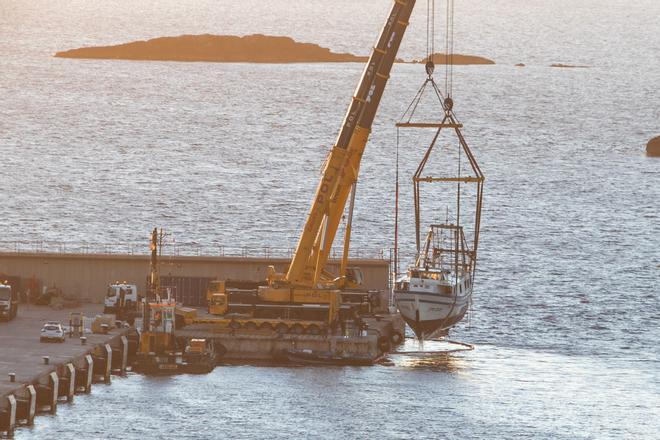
(325, 184)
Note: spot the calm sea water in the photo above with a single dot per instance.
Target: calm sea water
(566, 315)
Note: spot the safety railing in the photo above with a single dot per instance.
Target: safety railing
(173, 249)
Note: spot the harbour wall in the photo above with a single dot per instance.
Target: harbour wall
(86, 276)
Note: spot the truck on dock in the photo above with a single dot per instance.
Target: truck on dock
(8, 302)
(120, 297)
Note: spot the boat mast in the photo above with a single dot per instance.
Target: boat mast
(395, 263)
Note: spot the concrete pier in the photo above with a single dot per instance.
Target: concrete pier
(30, 386)
(35, 377)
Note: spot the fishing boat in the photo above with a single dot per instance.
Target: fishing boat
(435, 292)
(309, 357)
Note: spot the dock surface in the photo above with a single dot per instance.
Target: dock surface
(22, 353)
(72, 366)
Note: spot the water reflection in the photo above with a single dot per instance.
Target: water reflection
(441, 362)
(441, 356)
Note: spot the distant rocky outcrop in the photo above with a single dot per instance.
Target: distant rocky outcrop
(457, 59)
(653, 147)
(215, 48)
(568, 66)
(520, 65)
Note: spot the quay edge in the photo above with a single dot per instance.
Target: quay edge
(72, 367)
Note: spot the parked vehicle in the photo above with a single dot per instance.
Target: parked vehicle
(120, 297)
(8, 302)
(52, 332)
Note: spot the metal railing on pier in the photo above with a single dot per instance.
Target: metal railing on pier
(172, 249)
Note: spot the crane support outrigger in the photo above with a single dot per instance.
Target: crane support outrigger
(306, 280)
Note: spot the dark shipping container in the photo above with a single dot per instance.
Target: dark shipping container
(190, 291)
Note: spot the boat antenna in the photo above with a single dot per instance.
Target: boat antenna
(395, 263)
(458, 209)
(449, 103)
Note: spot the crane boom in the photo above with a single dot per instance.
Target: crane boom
(343, 163)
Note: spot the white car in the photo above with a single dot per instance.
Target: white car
(52, 331)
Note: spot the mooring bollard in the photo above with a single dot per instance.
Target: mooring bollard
(46, 360)
(12, 377)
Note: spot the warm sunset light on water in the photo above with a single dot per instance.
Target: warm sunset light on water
(216, 122)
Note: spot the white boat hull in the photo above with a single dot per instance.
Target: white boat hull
(431, 314)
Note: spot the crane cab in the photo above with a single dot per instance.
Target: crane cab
(218, 304)
(158, 336)
(215, 286)
(217, 298)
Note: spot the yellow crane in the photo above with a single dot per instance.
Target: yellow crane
(306, 280)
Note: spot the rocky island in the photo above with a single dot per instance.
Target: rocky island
(457, 59)
(568, 66)
(233, 49)
(653, 147)
(215, 48)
